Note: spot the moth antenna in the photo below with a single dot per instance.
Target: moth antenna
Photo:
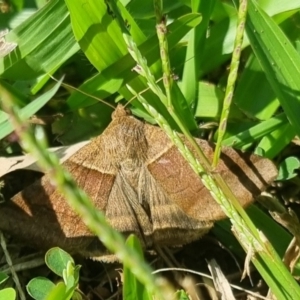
(175, 77)
(82, 92)
(68, 86)
(96, 98)
(141, 92)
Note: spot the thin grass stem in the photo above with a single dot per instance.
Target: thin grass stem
(235, 60)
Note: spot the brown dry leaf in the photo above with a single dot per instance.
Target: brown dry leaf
(27, 162)
(220, 281)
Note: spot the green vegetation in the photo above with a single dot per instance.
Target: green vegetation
(171, 63)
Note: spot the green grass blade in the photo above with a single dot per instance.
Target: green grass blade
(41, 48)
(279, 60)
(219, 46)
(116, 75)
(27, 111)
(256, 132)
(132, 287)
(253, 94)
(272, 144)
(232, 76)
(96, 31)
(195, 49)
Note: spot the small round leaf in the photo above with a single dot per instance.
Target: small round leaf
(8, 294)
(39, 288)
(57, 260)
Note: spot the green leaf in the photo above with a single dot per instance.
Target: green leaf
(57, 260)
(41, 48)
(288, 167)
(219, 45)
(272, 144)
(71, 276)
(132, 287)
(210, 101)
(249, 135)
(97, 32)
(113, 78)
(39, 288)
(182, 295)
(254, 95)
(3, 277)
(279, 60)
(18, 96)
(8, 294)
(119, 73)
(195, 50)
(27, 111)
(59, 293)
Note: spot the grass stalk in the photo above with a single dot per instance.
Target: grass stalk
(234, 66)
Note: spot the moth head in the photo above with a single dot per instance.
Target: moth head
(120, 112)
(126, 137)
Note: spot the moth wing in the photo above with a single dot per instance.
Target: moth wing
(125, 213)
(171, 225)
(245, 174)
(40, 214)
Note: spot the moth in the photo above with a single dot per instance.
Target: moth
(5, 47)
(139, 180)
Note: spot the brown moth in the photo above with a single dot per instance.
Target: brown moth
(139, 180)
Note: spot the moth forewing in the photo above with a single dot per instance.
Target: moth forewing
(246, 174)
